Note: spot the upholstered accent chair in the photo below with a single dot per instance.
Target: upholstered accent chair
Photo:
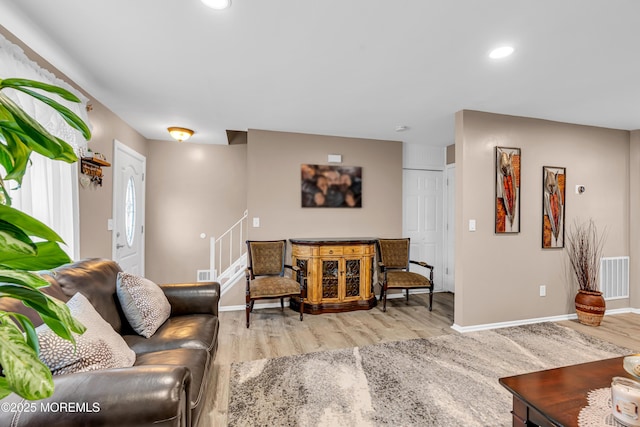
(265, 274)
(393, 263)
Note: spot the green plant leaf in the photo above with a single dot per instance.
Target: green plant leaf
(28, 224)
(39, 139)
(4, 388)
(17, 149)
(14, 241)
(49, 255)
(22, 133)
(18, 83)
(23, 278)
(52, 311)
(6, 158)
(25, 374)
(59, 319)
(44, 143)
(29, 330)
(69, 116)
(4, 194)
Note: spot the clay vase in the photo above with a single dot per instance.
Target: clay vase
(590, 307)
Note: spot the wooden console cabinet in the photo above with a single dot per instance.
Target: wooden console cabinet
(339, 274)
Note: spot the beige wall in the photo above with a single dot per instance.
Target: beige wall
(273, 192)
(192, 189)
(96, 203)
(498, 276)
(273, 189)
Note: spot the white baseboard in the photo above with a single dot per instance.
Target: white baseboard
(458, 328)
(486, 326)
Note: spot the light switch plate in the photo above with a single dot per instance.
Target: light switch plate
(256, 222)
(472, 225)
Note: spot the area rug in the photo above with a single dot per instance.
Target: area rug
(449, 380)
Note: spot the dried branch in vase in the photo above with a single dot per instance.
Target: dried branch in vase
(584, 249)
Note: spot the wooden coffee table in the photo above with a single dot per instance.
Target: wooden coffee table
(555, 397)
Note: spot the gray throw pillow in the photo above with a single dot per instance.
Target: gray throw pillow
(100, 347)
(143, 302)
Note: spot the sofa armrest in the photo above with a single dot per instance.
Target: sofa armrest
(152, 395)
(193, 298)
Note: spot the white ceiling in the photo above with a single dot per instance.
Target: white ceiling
(354, 68)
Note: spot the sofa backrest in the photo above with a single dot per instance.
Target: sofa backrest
(95, 278)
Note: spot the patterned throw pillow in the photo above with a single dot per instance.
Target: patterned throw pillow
(144, 304)
(100, 347)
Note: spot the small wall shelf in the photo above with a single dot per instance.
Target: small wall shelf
(96, 161)
(92, 166)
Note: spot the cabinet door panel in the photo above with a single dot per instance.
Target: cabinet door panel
(330, 278)
(352, 278)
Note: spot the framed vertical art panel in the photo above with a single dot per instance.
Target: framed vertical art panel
(507, 201)
(553, 199)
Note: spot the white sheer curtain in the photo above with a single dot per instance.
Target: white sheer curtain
(49, 191)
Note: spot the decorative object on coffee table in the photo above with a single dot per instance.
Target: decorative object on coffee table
(632, 365)
(584, 249)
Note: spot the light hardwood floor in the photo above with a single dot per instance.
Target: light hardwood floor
(274, 333)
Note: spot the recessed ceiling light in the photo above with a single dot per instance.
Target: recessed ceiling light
(217, 4)
(501, 52)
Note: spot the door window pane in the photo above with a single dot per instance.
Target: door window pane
(130, 211)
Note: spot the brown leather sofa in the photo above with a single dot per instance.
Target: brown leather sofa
(168, 384)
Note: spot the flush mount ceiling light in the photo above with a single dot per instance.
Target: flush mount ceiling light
(180, 134)
(401, 128)
(217, 4)
(501, 52)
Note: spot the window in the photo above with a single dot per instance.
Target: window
(130, 211)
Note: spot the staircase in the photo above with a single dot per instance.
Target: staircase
(228, 256)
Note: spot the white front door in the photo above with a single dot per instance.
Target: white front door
(129, 168)
(422, 223)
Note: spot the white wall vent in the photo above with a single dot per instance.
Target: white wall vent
(204, 275)
(614, 277)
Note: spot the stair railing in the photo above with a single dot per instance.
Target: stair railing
(229, 247)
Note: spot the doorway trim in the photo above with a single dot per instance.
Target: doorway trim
(118, 148)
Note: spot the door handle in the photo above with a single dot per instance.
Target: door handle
(118, 246)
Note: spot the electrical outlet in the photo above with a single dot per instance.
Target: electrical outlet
(543, 291)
